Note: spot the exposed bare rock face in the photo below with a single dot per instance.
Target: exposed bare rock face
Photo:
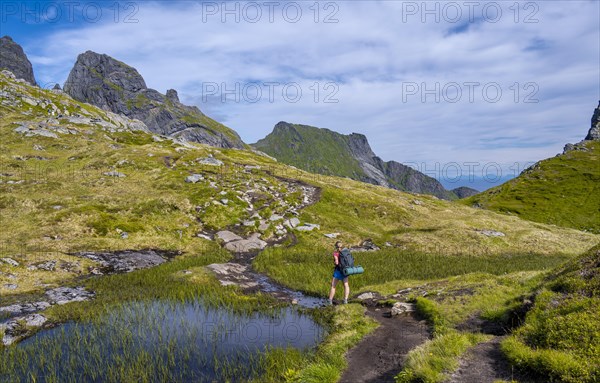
(112, 85)
(14, 59)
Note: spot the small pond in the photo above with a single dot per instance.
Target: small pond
(159, 341)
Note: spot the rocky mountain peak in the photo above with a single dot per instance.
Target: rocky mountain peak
(103, 81)
(594, 132)
(112, 85)
(14, 59)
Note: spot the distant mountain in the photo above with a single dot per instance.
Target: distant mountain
(14, 59)
(327, 152)
(464, 192)
(473, 181)
(564, 190)
(105, 82)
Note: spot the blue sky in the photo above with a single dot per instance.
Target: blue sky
(441, 86)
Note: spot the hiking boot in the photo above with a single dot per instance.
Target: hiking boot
(345, 301)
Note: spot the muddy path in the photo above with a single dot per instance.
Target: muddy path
(485, 363)
(380, 355)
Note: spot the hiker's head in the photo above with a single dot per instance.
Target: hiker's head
(338, 245)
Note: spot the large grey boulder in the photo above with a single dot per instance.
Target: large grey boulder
(20, 327)
(490, 233)
(194, 178)
(112, 85)
(126, 261)
(22, 308)
(210, 160)
(245, 245)
(10, 261)
(308, 227)
(228, 236)
(13, 58)
(64, 295)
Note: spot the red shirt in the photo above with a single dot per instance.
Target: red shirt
(336, 258)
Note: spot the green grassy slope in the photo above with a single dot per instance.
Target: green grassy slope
(313, 149)
(563, 190)
(561, 335)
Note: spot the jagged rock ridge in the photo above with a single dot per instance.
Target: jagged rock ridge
(14, 59)
(112, 85)
(327, 152)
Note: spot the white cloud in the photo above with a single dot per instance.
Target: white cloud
(369, 53)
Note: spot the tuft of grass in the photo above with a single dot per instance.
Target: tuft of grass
(430, 362)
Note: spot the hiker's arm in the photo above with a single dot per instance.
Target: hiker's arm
(336, 258)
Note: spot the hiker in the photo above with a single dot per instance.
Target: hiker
(338, 275)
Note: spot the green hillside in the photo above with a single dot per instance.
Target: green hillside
(313, 149)
(327, 152)
(563, 190)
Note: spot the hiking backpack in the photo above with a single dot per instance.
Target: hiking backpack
(346, 259)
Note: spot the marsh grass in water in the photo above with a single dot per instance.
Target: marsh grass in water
(161, 341)
(173, 320)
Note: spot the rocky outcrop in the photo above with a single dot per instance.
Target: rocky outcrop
(406, 178)
(372, 165)
(326, 152)
(172, 95)
(112, 85)
(594, 132)
(126, 261)
(14, 59)
(58, 115)
(464, 192)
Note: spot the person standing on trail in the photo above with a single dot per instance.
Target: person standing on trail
(338, 275)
